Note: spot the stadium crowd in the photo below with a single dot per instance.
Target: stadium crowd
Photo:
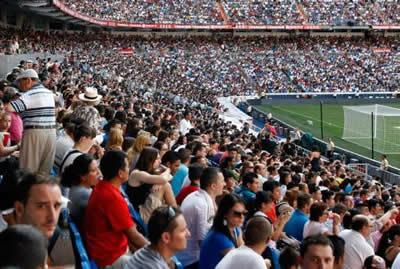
(152, 177)
(316, 12)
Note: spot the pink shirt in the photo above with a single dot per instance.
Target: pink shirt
(16, 127)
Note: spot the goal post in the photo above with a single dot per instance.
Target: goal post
(357, 127)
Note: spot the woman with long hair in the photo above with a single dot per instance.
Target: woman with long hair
(389, 245)
(115, 139)
(142, 140)
(80, 177)
(225, 233)
(147, 188)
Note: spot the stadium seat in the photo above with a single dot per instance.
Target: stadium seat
(82, 260)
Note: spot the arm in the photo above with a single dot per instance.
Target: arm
(5, 151)
(145, 177)
(136, 239)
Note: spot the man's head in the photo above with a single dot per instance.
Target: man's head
(171, 160)
(258, 231)
(167, 229)
(316, 253)
(304, 202)
(250, 180)
(195, 171)
(27, 79)
(114, 165)
(274, 187)
(38, 202)
(23, 246)
(187, 115)
(212, 181)
(361, 224)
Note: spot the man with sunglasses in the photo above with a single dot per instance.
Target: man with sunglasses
(168, 234)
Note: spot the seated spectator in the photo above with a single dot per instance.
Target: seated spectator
(168, 234)
(80, 177)
(142, 140)
(256, 237)
(389, 245)
(8, 161)
(262, 203)
(373, 262)
(288, 259)
(338, 250)
(16, 127)
(248, 188)
(115, 139)
(146, 189)
(195, 171)
(318, 216)
(316, 252)
(107, 234)
(199, 209)
(225, 233)
(275, 189)
(182, 173)
(83, 138)
(23, 246)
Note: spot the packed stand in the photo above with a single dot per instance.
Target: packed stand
(156, 11)
(355, 12)
(263, 12)
(150, 181)
(390, 9)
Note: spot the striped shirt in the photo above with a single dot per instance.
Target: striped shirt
(36, 107)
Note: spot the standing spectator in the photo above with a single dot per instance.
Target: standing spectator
(168, 234)
(108, 226)
(225, 233)
(316, 252)
(199, 209)
(357, 249)
(256, 237)
(330, 148)
(185, 125)
(37, 109)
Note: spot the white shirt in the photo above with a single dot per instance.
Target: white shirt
(396, 263)
(356, 249)
(199, 210)
(185, 126)
(242, 257)
(314, 227)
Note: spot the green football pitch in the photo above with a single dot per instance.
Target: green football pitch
(308, 119)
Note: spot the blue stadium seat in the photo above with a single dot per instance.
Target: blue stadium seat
(82, 260)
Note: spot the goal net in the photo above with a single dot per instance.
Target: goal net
(385, 130)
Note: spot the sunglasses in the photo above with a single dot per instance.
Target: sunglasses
(239, 214)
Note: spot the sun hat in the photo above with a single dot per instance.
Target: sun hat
(28, 73)
(90, 95)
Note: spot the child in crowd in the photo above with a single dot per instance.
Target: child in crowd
(8, 153)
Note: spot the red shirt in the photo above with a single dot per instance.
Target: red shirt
(271, 214)
(185, 192)
(106, 218)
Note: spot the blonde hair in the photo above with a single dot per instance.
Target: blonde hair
(115, 139)
(142, 140)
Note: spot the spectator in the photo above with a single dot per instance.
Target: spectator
(168, 234)
(288, 259)
(295, 226)
(256, 237)
(357, 249)
(16, 128)
(107, 234)
(185, 125)
(199, 209)
(146, 189)
(225, 233)
(23, 246)
(183, 171)
(80, 176)
(338, 250)
(247, 191)
(318, 216)
(38, 141)
(195, 171)
(316, 251)
(8, 161)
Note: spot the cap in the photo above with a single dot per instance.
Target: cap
(29, 73)
(9, 93)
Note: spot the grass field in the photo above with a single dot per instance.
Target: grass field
(300, 115)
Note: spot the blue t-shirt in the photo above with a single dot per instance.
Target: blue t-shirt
(294, 227)
(179, 178)
(212, 246)
(245, 193)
